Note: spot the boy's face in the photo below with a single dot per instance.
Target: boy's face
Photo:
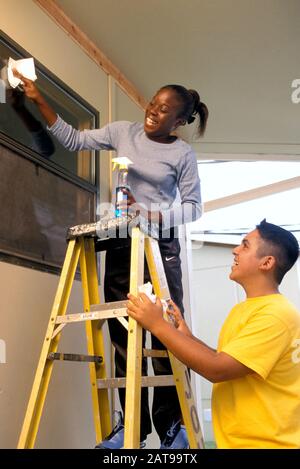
(246, 262)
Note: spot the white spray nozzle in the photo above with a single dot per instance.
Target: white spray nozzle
(122, 162)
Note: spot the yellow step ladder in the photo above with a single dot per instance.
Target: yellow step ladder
(81, 249)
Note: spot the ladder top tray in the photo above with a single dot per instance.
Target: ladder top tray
(113, 228)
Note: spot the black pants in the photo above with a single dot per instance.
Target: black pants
(166, 406)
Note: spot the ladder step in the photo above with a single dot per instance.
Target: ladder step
(147, 381)
(75, 357)
(155, 353)
(103, 229)
(101, 311)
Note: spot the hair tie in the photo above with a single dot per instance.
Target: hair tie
(190, 120)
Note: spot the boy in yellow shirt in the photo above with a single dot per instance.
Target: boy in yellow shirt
(256, 368)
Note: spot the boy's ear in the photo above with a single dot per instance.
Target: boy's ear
(267, 263)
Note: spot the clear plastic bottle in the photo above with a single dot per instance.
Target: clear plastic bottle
(121, 199)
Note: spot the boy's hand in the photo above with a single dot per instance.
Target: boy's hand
(146, 313)
(175, 314)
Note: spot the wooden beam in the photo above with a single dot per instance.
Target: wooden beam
(248, 156)
(90, 48)
(205, 155)
(258, 192)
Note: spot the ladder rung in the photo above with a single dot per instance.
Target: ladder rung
(147, 381)
(155, 353)
(101, 311)
(75, 357)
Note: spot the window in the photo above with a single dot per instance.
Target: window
(220, 179)
(44, 188)
(17, 114)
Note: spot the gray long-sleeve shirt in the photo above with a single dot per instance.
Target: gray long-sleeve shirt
(158, 169)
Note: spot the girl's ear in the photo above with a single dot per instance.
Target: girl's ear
(179, 123)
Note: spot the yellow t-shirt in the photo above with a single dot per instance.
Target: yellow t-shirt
(262, 409)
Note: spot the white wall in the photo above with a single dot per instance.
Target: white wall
(27, 295)
(214, 294)
(25, 303)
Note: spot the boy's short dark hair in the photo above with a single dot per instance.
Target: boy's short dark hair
(279, 243)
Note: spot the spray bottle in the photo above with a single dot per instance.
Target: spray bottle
(122, 163)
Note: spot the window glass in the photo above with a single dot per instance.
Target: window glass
(21, 121)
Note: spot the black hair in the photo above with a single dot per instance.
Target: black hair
(279, 243)
(192, 105)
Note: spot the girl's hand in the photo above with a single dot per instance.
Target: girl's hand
(29, 87)
(140, 209)
(130, 202)
(130, 198)
(33, 93)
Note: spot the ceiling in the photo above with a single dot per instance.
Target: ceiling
(154, 42)
(240, 55)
